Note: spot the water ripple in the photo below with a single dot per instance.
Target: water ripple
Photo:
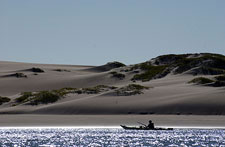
(67, 137)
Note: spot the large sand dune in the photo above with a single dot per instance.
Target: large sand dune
(170, 94)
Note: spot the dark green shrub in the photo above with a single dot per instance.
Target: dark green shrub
(170, 59)
(219, 84)
(134, 67)
(218, 61)
(220, 78)
(116, 64)
(220, 81)
(201, 80)
(44, 97)
(20, 75)
(79, 92)
(24, 97)
(188, 63)
(109, 66)
(117, 75)
(95, 90)
(209, 71)
(91, 90)
(4, 100)
(205, 60)
(136, 87)
(150, 72)
(62, 70)
(64, 91)
(34, 69)
(113, 72)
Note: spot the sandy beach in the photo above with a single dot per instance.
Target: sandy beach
(175, 121)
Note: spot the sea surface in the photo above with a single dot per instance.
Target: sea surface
(111, 137)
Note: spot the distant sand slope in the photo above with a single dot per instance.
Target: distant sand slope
(49, 79)
(170, 92)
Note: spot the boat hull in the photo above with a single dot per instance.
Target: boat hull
(143, 128)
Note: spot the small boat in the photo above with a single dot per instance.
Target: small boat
(143, 128)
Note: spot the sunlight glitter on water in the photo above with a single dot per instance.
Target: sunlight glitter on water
(109, 137)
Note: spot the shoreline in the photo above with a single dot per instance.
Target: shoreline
(108, 121)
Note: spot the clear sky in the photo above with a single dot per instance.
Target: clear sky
(93, 32)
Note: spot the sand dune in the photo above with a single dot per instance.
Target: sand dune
(168, 94)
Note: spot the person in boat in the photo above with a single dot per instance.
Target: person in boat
(150, 125)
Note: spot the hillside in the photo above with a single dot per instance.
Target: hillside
(168, 84)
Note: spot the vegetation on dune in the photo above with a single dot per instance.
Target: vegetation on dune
(22, 75)
(63, 91)
(42, 97)
(34, 69)
(97, 89)
(117, 75)
(205, 63)
(212, 62)
(91, 90)
(61, 70)
(218, 60)
(109, 66)
(131, 89)
(45, 97)
(218, 82)
(136, 87)
(116, 64)
(201, 80)
(220, 78)
(186, 64)
(150, 71)
(4, 100)
(18, 75)
(208, 71)
(172, 58)
(24, 97)
(169, 59)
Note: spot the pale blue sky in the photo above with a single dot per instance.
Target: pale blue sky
(94, 32)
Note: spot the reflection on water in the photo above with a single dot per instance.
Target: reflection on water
(109, 137)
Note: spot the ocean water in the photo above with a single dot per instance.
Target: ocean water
(111, 137)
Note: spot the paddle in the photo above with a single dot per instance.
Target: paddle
(142, 124)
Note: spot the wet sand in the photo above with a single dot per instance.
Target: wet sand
(193, 121)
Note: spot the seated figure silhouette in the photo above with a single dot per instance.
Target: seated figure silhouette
(150, 125)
